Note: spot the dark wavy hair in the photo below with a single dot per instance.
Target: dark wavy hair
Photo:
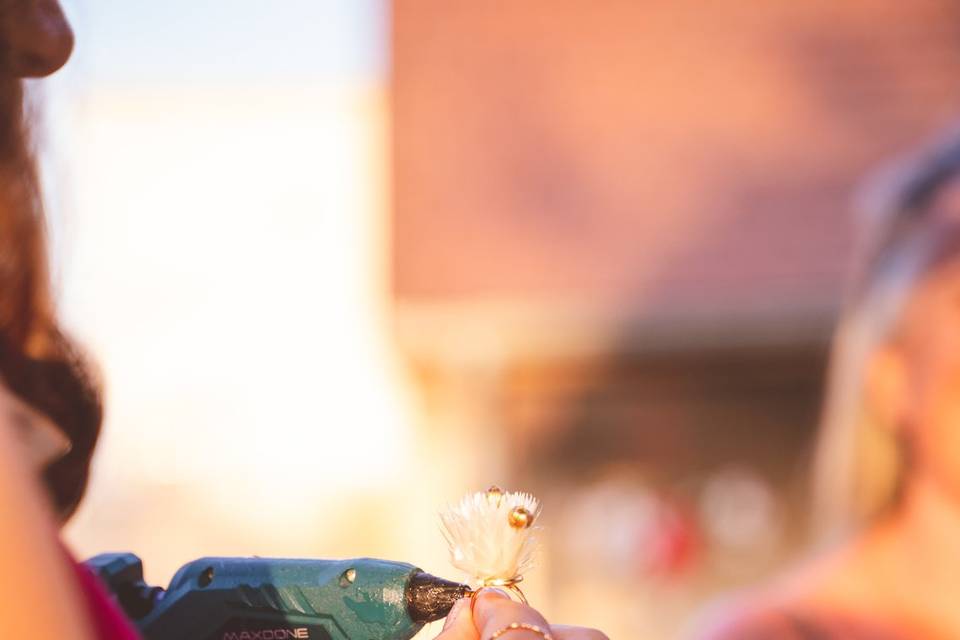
(38, 362)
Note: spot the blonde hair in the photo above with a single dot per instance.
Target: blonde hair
(860, 463)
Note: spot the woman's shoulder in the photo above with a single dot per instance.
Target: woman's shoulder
(794, 622)
(823, 599)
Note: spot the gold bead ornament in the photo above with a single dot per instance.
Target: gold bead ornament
(520, 518)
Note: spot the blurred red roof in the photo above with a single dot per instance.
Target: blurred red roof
(671, 159)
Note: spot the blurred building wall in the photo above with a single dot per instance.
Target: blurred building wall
(620, 232)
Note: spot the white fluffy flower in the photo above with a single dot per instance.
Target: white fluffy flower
(491, 535)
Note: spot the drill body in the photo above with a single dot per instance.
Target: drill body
(280, 599)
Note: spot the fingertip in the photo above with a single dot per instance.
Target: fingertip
(487, 603)
(459, 623)
(495, 609)
(484, 599)
(492, 592)
(455, 612)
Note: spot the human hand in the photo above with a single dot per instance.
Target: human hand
(495, 611)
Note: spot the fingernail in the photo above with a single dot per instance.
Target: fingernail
(494, 591)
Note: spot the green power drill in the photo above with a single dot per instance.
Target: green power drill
(280, 599)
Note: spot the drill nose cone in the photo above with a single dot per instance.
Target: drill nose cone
(430, 598)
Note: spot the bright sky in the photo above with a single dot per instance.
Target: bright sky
(219, 184)
(220, 41)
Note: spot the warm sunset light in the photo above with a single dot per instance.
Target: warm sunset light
(644, 312)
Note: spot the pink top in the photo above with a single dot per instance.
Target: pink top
(108, 620)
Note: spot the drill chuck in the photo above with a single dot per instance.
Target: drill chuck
(430, 598)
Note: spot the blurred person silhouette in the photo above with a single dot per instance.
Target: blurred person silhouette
(887, 471)
(50, 404)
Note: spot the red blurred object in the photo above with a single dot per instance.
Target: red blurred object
(108, 621)
(672, 544)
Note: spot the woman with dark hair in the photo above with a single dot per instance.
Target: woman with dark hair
(50, 408)
(888, 463)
